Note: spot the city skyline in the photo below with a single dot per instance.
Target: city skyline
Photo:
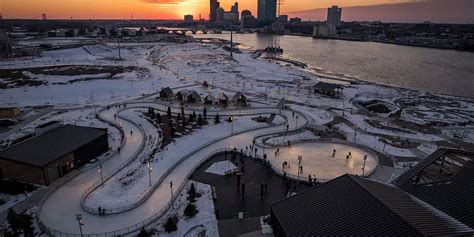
(383, 10)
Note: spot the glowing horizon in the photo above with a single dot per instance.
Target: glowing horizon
(159, 9)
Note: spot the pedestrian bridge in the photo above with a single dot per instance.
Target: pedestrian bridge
(194, 31)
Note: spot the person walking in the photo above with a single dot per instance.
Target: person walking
(131, 133)
(100, 211)
(333, 152)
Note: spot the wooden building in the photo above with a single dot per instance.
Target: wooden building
(9, 112)
(49, 156)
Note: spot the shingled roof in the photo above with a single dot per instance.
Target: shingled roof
(351, 205)
(52, 145)
(445, 180)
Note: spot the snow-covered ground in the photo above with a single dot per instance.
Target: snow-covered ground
(158, 65)
(131, 184)
(221, 167)
(203, 224)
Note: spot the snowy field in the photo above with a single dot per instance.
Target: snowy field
(75, 83)
(203, 224)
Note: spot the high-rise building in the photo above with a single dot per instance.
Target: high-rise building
(266, 10)
(214, 5)
(247, 20)
(188, 18)
(220, 14)
(334, 16)
(235, 8)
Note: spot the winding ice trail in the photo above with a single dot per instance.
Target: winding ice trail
(58, 211)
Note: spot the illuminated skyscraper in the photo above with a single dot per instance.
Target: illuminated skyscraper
(334, 16)
(266, 10)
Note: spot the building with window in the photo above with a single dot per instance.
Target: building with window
(47, 157)
(334, 16)
(266, 10)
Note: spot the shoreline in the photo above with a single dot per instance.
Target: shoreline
(379, 41)
(336, 77)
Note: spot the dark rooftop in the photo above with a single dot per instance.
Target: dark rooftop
(52, 145)
(327, 86)
(351, 205)
(445, 180)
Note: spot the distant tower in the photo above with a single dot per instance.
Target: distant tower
(334, 16)
(44, 17)
(214, 5)
(267, 10)
(279, 3)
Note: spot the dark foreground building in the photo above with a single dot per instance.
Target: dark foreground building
(354, 206)
(49, 156)
(445, 180)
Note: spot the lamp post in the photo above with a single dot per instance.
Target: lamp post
(149, 170)
(300, 158)
(363, 167)
(101, 176)
(355, 133)
(171, 189)
(343, 106)
(296, 126)
(231, 41)
(80, 222)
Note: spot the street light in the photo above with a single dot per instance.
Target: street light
(80, 222)
(300, 158)
(149, 170)
(363, 167)
(355, 133)
(171, 189)
(296, 126)
(101, 176)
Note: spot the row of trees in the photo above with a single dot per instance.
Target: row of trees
(19, 224)
(182, 117)
(190, 211)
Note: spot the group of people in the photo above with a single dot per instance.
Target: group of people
(348, 156)
(101, 211)
(277, 152)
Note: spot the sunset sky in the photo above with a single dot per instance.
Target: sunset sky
(173, 9)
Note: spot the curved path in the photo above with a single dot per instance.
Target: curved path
(58, 211)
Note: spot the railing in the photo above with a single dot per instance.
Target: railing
(123, 165)
(169, 203)
(179, 162)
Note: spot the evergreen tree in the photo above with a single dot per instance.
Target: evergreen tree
(192, 193)
(168, 113)
(204, 113)
(158, 117)
(217, 119)
(194, 114)
(199, 120)
(191, 119)
(179, 117)
(172, 131)
(190, 210)
(12, 219)
(170, 225)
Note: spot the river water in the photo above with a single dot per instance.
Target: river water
(430, 70)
